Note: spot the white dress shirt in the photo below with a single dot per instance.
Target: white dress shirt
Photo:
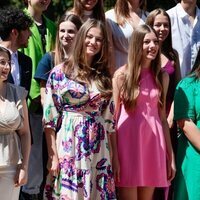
(15, 68)
(185, 37)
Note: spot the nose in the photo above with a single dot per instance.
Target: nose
(93, 40)
(152, 44)
(66, 34)
(7, 65)
(162, 27)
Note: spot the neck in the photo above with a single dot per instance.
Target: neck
(66, 52)
(134, 7)
(37, 16)
(160, 44)
(190, 8)
(146, 64)
(2, 87)
(9, 45)
(89, 61)
(88, 12)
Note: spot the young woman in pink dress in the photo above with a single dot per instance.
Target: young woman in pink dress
(145, 153)
(160, 21)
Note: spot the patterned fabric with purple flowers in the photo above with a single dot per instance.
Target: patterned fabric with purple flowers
(81, 118)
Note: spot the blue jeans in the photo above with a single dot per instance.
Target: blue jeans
(35, 168)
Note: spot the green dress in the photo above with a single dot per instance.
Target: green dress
(187, 106)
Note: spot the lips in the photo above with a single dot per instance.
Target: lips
(4, 74)
(92, 48)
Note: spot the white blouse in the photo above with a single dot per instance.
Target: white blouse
(11, 120)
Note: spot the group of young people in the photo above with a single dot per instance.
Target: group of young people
(105, 90)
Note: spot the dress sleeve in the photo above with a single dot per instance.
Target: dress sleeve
(52, 102)
(20, 95)
(108, 116)
(184, 100)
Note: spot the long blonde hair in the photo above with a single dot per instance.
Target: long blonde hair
(130, 88)
(77, 67)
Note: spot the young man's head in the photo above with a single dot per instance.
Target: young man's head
(37, 5)
(14, 23)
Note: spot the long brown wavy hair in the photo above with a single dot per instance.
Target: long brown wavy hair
(77, 67)
(122, 10)
(130, 88)
(166, 48)
(59, 52)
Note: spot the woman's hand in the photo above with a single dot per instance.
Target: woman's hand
(170, 121)
(171, 169)
(116, 168)
(53, 165)
(21, 176)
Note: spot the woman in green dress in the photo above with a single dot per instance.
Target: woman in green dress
(187, 115)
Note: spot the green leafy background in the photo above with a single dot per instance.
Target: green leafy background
(58, 7)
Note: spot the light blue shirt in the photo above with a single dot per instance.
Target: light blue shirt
(185, 37)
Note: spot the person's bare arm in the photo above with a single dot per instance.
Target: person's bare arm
(25, 138)
(42, 90)
(171, 168)
(191, 131)
(53, 163)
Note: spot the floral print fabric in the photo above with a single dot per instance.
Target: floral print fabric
(81, 118)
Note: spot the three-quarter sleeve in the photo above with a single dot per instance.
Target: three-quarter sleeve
(184, 100)
(52, 101)
(44, 67)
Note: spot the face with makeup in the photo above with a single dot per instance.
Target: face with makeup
(89, 4)
(150, 47)
(161, 26)
(39, 5)
(93, 42)
(67, 33)
(4, 66)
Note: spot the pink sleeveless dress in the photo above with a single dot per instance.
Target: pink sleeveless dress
(140, 139)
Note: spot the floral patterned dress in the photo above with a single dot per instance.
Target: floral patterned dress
(81, 118)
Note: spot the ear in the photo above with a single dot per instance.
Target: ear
(14, 32)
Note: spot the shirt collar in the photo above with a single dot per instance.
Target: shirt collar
(183, 14)
(11, 52)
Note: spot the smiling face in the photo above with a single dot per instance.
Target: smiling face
(67, 33)
(161, 26)
(93, 42)
(39, 5)
(150, 47)
(89, 4)
(4, 66)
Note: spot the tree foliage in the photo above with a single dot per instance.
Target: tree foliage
(58, 7)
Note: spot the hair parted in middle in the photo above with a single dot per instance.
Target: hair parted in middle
(59, 53)
(166, 48)
(77, 66)
(130, 87)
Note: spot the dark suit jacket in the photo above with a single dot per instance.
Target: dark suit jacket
(25, 70)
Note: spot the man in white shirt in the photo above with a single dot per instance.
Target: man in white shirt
(185, 22)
